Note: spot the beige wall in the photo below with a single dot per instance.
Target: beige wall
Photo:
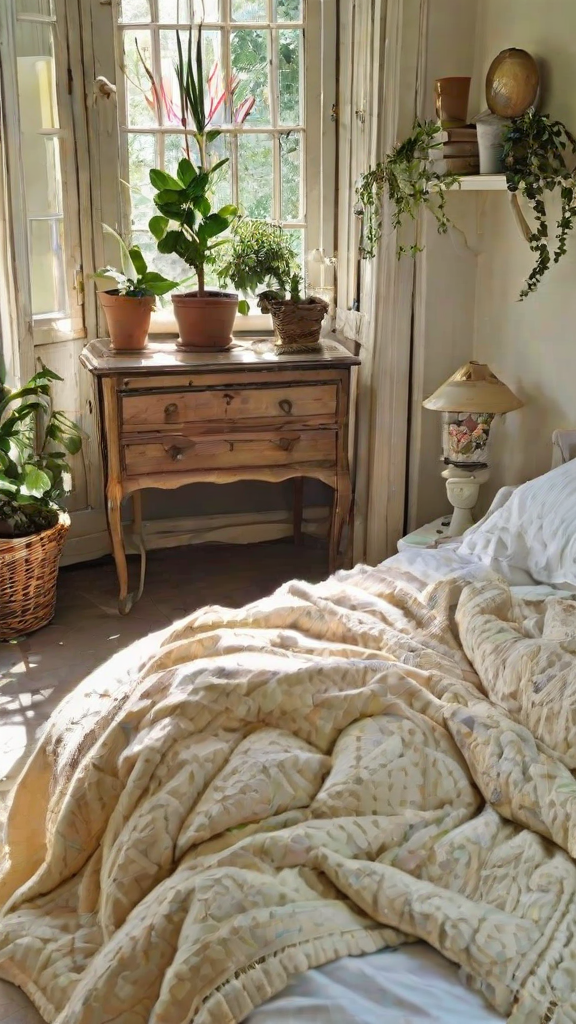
(532, 344)
(468, 305)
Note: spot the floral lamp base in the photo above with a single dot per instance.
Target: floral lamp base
(463, 486)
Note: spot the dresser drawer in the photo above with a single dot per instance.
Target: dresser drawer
(317, 402)
(185, 454)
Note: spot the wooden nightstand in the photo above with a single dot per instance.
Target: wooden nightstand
(171, 418)
(428, 536)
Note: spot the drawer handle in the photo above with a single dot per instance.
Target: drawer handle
(286, 406)
(170, 410)
(176, 453)
(288, 443)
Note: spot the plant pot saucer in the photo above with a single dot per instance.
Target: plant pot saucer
(203, 348)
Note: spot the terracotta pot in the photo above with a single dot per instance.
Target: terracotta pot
(128, 320)
(207, 321)
(452, 101)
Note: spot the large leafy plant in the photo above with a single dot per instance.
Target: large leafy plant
(135, 280)
(409, 178)
(535, 164)
(260, 254)
(35, 443)
(185, 224)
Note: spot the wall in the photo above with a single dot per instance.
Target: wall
(445, 273)
(467, 306)
(531, 344)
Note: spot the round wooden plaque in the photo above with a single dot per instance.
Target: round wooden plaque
(512, 83)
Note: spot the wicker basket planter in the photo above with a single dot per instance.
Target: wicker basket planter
(28, 576)
(297, 324)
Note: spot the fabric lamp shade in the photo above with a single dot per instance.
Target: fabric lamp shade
(473, 388)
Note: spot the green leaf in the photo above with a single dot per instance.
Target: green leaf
(218, 165)
(212, 135)
(138, 261)
(36, 482)
(7, 486)
(124, 253)
(203, 206)
(158, 284)
(243, 307)
(228, 211)
(162, 180)
(186, 171)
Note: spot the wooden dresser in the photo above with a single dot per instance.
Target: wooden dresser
(171, 418)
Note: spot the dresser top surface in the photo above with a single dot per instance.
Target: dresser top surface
(252, 354)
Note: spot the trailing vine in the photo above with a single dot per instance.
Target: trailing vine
(408, 176)
(534, 161)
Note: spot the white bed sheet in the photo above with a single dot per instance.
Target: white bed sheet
(409, 985)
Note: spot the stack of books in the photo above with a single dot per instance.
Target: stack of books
(457, 152)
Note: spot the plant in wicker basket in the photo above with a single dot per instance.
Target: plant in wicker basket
(261, 254)
(35, 442)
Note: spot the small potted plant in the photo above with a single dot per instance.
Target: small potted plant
(261, 254)
(35, 442)
(128, 307)
(186, 224)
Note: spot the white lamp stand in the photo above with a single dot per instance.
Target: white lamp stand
(463, 486)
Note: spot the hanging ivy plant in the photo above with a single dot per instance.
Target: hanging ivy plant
(408, 176)
(534, 161)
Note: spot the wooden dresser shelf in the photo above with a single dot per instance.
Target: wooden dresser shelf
(171, 418)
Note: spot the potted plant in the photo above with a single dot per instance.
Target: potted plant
(35, 442)
(261, 254)
(535, 164)
(408, 176)
(128, 307)
(186, 224)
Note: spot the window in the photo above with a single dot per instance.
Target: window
(48, 171)
(258, 47)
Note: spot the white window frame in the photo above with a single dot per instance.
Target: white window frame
(318, 131)
(68, 324)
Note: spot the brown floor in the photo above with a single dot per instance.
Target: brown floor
(87, 630)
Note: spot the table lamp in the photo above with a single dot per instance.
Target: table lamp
(478, 396)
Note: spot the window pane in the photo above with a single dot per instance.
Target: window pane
(179, 12)
(135, 10)
(141, 106)
(289, 75)
(289, 10)
(291, 168)
(174, 12)
(47, 266)
(249, 10)
(141, 158)
(249, 49)
(255, 175)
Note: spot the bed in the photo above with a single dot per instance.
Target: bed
(346, 799)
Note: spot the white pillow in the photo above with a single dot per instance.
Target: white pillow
(535, 530)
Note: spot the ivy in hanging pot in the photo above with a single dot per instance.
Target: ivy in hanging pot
(407, 175)
(534, 159)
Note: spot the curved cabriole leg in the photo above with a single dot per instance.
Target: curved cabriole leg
(340, 517)
(114, 508)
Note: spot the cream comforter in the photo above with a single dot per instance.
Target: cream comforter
(320, 774)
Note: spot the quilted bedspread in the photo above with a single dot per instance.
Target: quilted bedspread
(334, 770)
